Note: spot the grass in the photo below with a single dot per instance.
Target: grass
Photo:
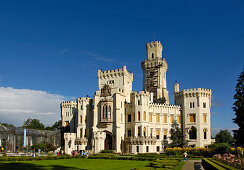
(76, 164)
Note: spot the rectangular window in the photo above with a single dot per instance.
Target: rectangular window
(157, 133)
(204, 105)
(192, 117)
(204, 118)
(151, 130)
(165, 134)
(66, 123)
(147, 148)
(144, 116)
(85, 133)
(171, 118)
(178, 119)
(193, 105)
(80, 119)
(81, 107)
(137, 149)
(129, 133)
(157, 118)
(150, 117)
(165, 118)
(129, 117)
(158, 148)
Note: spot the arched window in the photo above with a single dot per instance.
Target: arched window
(144, 116)
(192, 133)
(104, 112)
(139, 131)
(109, 112)
(144, 131)
(152, 55)
(205, 133)
(139, 116)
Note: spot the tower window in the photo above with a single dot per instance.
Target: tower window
(129, 117)
(144, 116)
(139, 116)
(204, 118)
(150, 117)
(157, 133)
(129, 133)
(139, 131)
(192, 118)
(109, 112)
(204, 105)
(192, 105)
(144, 131)
(152, 55)
(165, 134)
(205, 133)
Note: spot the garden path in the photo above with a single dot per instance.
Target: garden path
(193, 165)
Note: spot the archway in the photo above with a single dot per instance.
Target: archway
(108, 143)
(192, 133)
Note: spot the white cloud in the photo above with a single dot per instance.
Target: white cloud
(16, 105)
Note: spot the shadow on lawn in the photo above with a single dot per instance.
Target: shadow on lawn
(20, 166)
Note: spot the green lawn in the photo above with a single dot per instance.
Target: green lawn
(73, 164)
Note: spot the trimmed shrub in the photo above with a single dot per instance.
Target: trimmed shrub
(107, 151)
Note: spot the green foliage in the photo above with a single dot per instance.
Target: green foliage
(176, 135)
(33, 124)
(220, 148)
(46, 147)
(207, 164)
(239, 110)
(55, 126)
(7, 125)
(224, 136)
(107, 151)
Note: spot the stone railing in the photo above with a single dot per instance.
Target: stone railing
(81, 141)
(141, 140)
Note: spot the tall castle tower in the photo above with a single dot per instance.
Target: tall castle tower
(154, 73)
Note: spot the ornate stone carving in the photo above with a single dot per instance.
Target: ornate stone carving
(105, 91)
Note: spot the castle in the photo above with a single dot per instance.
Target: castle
(127, 121)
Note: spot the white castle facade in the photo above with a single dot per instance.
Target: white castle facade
(127, 121)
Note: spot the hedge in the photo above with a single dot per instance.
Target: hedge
(222, 164)
(26, 158)
(209, 163)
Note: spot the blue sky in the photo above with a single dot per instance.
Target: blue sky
(53, 49)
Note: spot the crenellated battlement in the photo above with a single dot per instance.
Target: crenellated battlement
(194, 92)
(68, 104)
(86, 99)
(168, 106)
(154, 44)
(114, 73)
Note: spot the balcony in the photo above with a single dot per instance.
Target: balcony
(81, 141)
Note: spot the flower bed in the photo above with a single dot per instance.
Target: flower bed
(231, 160)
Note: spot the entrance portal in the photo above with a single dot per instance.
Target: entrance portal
(108, 141)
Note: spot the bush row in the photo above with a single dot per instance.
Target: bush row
(26, 158)
(209, 163)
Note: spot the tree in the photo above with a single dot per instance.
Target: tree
(55, 126)
(239, 110)
(33, 124)
(224, 136)
(7, 125)
(176, 135)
